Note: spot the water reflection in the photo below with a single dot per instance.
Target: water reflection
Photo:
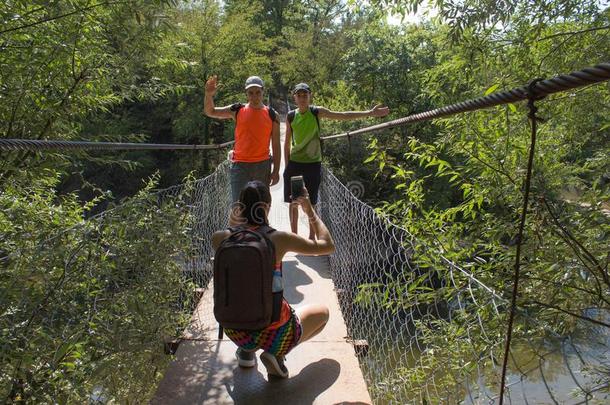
(550, 370)
(566, 370)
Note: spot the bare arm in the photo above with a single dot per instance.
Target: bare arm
(322, 246)
(277, 152)
(287, 142)
(291, 242)
(211, 86)
(377, 111)
(218, 237)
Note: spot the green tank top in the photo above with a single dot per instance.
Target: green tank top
(305, 146)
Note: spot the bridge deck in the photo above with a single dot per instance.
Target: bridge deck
(323, 370)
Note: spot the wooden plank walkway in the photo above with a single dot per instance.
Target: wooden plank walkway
(323, 370)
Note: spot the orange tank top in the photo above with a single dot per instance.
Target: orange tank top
(252, 134)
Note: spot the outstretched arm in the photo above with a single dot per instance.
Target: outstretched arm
(211, 86)
(377, 111)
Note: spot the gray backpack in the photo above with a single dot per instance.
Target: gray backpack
(247, 292)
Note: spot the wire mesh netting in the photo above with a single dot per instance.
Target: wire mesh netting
(87, 311)
(91, 313)
(436, 335)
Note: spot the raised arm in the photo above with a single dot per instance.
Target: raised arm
(211, 86)
(291, 242)
(377, 111)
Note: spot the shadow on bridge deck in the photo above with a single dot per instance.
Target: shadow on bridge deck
(323, 370)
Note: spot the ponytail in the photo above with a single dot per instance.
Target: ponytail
(253, 198)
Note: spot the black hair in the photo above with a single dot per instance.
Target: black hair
(252, 198)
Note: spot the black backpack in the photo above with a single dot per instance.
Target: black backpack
(244, 268)
(238, 106)
(292, 113)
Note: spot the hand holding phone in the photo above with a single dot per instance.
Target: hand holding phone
(296, 187)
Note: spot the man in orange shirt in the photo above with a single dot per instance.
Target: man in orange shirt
(255, 126)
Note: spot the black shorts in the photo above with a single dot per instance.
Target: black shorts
(312, 174)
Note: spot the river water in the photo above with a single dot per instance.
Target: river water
(573, 369)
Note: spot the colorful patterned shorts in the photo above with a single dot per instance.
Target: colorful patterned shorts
(277, 341)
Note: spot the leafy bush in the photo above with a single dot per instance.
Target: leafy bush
(86, 305)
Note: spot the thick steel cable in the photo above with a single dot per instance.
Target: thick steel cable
(33, 144)
(584, 77)
(581, 78)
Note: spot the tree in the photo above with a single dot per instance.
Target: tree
(64, 61)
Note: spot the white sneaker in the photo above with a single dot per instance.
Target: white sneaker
(274, 365)
(245, 358)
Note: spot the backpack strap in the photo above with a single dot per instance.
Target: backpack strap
(315, 110)
(265, 229)
(272, 114)
(278, 297)
(238, 106)
(290, 116)
(235, 108)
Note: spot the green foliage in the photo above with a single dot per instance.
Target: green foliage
(78, 298)
(86, 305)
(460, 191)
(63, 60)
(479, 15)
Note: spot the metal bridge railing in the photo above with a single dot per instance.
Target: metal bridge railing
(435, 334)
(536, 90)
(373, 270)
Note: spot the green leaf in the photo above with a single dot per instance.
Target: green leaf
(62, 351)
(491, 89)
(370, 158)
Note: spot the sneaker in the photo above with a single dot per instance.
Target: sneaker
(274, 365)
(245, 358)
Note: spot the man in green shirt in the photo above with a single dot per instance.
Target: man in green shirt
(302, 148)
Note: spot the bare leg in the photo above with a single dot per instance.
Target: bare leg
(313, 319)
(294, 217)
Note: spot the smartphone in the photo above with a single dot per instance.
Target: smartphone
(296, 186)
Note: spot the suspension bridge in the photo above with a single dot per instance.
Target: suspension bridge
(323, 370)
(400, 361)
(399, 332)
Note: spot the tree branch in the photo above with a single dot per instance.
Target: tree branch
(587, 254)
(561, 285)
(578, 254)
(584, 318)
(45, 20)
(575, 32)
